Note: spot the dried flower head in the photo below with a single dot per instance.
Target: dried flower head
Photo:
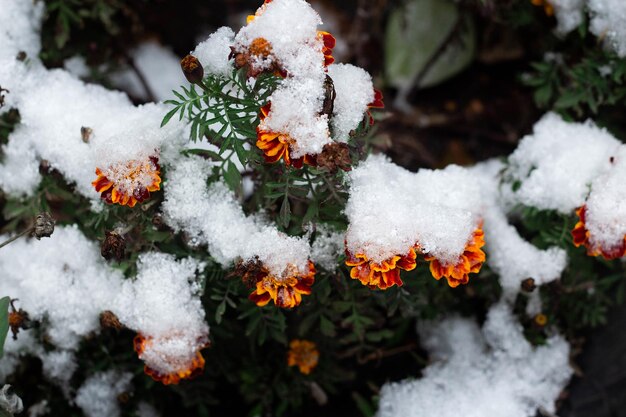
(335, 156)
(18, 319)
(44, 225)
(109, 320)
(85, 133)
(192, 68)
(303, 354)
(113, 246)
(528, 285)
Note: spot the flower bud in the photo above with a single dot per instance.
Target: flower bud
(110, 321)
(528, 285)
(44, 225)
(192, 68)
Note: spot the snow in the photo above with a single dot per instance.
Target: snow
(511, 256)
(391, 209)
(608, 22)
(569, 14)
(162, 303)
(493, 372)
(212, 215)
(355, 91)
(62, 279)
(556, 163)
(327, 248)
(213, 53)
(54, 105)
(605, 217)
(97, 397)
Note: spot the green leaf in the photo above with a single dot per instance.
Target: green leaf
(285, 213)
(4, 322)
(232, 176)
(428, 26)
(168, 116)
(219, 312)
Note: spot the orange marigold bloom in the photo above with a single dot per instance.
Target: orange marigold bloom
(285, 292)
(581, 236)
(128, 183)
(547, 7)
(383, 274)
(470, 262)
(303, 354)
(276, 146)
(189, 371)
(329, 43)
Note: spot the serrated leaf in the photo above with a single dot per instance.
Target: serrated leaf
(285, 213)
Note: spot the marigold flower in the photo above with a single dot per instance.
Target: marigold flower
(581, 237)
(376, 104)
(540, 320)
(383, 274)
(285, 292)
(547, 7)
(276, 146)
(470, 262)
(128, 183)
(303, 354)
(187, 371)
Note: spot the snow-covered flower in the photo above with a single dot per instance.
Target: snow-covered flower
(470, 262)
(170, 359)
(130, 182)
(285, 292)
(276, 146)
(383, 274)
(303, 354)
(582, 237)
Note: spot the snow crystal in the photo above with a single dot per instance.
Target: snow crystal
(62, 279)
(556, 164)
(213, 53)
(495, 372)
(568, 13)
(327, 248)
(214, 216)
(605, 217)
(608, 21)
(509, 254)
(391, 209)
(160, 68)
(355, 91)
(162, 303)
(97, 397)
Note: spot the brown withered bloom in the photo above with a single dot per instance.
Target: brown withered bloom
(113, 246)
(109, 320)
(248, 271)
(18, 319)
(44, 225)
(85, 133)
(192, 68)
(329, 97)
(2, 90)
(528, 285)
(335, 156)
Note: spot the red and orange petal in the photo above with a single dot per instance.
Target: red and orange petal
(580, 236)
(329, 43)
(194, 369)
(275, 146)
(113, 194)
(376, 104)
(470, 262)
(303, 354)
(285, 293)
(383, 274)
